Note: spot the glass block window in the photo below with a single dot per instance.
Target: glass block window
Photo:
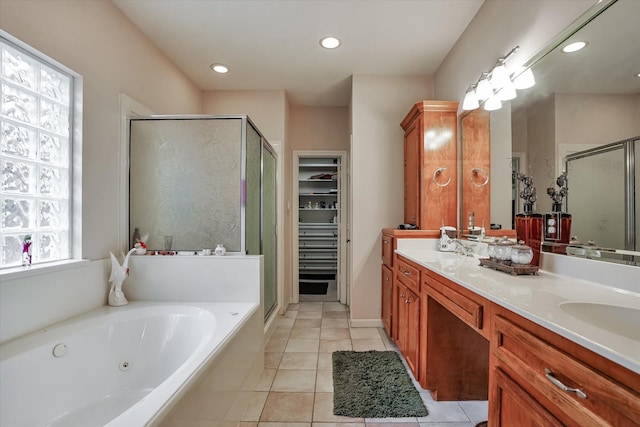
(35, 156)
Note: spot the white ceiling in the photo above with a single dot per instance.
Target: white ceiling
(274, 44)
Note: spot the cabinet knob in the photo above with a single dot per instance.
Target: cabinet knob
(556, 382)
(406, 273)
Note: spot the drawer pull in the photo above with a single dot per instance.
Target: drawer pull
(556, 382)
(406, 273)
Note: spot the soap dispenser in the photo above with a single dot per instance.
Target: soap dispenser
(529, 223)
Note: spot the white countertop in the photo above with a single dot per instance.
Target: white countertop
(539, 299)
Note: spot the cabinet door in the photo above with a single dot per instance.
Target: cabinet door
(412, 343)
(387, 295)
(511, 405)
(412, 166)
(387, 250)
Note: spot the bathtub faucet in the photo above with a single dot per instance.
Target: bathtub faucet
(118, 275)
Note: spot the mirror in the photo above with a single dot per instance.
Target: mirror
(581, 101)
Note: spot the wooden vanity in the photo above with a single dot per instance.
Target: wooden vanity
(462, 345)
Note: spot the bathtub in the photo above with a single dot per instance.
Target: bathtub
(115, 366)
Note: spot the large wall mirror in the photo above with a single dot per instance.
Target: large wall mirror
(581, 101)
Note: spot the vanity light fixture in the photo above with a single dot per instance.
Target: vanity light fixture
(330, 42)
(574, 47)
(497, 85)
(219, 68)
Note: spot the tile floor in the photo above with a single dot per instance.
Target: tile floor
(296, 386)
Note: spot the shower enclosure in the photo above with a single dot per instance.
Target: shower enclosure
(602, 195)
(199, 181)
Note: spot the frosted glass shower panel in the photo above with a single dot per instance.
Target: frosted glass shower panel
(269, 237)
(597, 196)
(185, 179)
(252, 205)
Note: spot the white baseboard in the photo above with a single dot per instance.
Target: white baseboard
(366, 323)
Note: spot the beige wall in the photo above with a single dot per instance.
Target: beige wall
(319, 128)
(596, 119)
(94, 39)
(378, 105)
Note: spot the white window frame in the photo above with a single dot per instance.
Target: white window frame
(75, 171)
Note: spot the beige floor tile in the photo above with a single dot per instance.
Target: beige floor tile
(293, 307)
(247, 406)
(295, 380)
(272, 360)
(301, 346)
(299, 361)
(281, 332)
(310, 314)
(337, 424)
(284, 424)
(329, 346)
(285, 322)
(290, 314)
(368, 344)
(324, 382)
(265, 380)
(335, 323)
(325, 362)
(288, 407)
(334, 306)
(365, 333)
(334, 314)
(323, 410)
(275, 345)
(335, 334)
(392, 422)
(305, 333)
(311, 306)
(307, 323)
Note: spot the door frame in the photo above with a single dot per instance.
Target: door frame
(343, 218)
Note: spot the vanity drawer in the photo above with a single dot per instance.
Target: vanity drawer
(541, 369)
(409, 275)
(466, 309)
(387, 250)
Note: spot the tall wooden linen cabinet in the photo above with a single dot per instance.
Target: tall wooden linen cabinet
(430, 164)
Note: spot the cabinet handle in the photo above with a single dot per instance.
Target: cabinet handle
(386, 278)
(406, 273)
(556, 382)
(386, 242)
(402, 295)
(407, 301)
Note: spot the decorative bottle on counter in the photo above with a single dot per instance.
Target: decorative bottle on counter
(221, 250)
(529, 230)
(557, 224)
(529, 223)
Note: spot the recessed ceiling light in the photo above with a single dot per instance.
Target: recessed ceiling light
(637, 74)
(219, 68)
(574, 47)
(330, 42)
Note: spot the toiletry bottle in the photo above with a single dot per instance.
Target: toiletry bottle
(136, 237)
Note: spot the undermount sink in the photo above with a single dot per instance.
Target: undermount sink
(613, 318)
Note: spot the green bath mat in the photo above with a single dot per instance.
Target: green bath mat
(373, 384)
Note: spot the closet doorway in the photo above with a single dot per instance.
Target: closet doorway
(320, 226)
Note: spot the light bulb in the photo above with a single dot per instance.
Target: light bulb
(499, 76)
(484, 90)
(508, 92)
(470, 101)
(524, 80)
(493, 103)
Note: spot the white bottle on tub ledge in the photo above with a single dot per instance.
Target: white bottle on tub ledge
(220, 250)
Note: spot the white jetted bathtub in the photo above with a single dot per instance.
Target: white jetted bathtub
(115, 366)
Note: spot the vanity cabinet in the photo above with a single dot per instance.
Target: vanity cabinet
(454, 332)
(430, 164)
(528, 365)
(407, 303)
